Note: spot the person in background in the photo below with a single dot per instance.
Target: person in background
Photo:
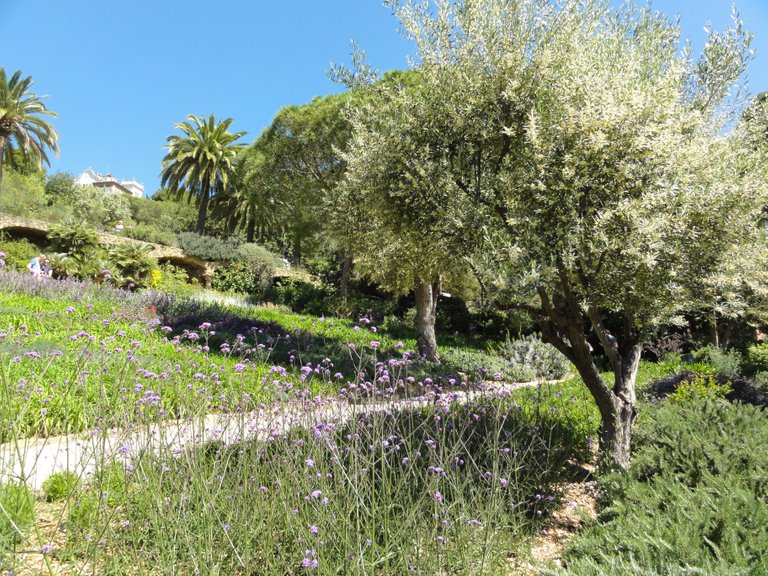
(46, 269)
(35, 266)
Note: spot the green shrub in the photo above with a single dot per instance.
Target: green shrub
(62, 265)
(82, 513)
(207, 247)
(173, 280)
(238, 277)
(149, 233)
(484, 366)
(59, 187)
(531, 351)
(250, 273)
(258, 255)
(163, 215)
(300, 296)
(400, 326)
(761, 382)
(76, 239)
(60, 486)
(726, 362)
(18, 252)
(99, 209)
(695, 500)
(702, 386)
(17, 509)
(132, 263)
(22, 194)
(756, 358)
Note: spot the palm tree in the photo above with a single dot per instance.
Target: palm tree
(254, 201)
(21, 127)
(201, 162)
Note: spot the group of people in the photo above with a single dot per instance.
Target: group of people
(40, 267)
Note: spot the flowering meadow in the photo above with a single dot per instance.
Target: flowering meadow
(332, 452)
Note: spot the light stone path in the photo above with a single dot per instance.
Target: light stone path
(31, 461)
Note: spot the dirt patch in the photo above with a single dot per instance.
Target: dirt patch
(41, 553)
(579, 507)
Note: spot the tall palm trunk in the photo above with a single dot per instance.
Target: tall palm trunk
(202, 211)
(3, 141)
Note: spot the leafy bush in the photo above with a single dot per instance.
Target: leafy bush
(173, 280)
(133, 263)
(756, 359)
(761, 382)
(22, 195)
(163, 216)
(207, 247)
(701, 387)
(99, 209)
(531, 351)
(484, 366)
(60, 486)
(59, 186)
(18, 252)
(726, 362)
(695, 500)
(258, 255)
(300, 296)
(17, 504)
(74, 238)
(741, 390)
(238, 277)
(149, 233)
(251, 272)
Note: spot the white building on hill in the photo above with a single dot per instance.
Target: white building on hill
(109, 184)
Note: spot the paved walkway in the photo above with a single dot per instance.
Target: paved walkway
(31, 461)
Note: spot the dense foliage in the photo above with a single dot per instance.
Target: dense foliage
(199, 164)
(597, 200)
(24, 128)
(694, 500)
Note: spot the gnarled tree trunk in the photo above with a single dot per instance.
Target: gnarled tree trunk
(564, 325)
(426, 310)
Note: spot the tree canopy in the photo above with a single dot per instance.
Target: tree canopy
(25, 133)
(199, 164)
(587, 153)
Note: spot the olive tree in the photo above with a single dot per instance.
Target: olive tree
(591, 156)
(401, 238)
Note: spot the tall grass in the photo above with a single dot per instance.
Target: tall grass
(305, 467)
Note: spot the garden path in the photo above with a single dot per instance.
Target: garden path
(32, 460)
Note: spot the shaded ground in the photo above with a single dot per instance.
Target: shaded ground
(579, 506)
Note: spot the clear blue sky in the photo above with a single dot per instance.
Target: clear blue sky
(121, 73)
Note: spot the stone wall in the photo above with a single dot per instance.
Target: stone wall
(176, 256)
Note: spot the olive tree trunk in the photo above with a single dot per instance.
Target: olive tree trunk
(426, 310)
(564, 325)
